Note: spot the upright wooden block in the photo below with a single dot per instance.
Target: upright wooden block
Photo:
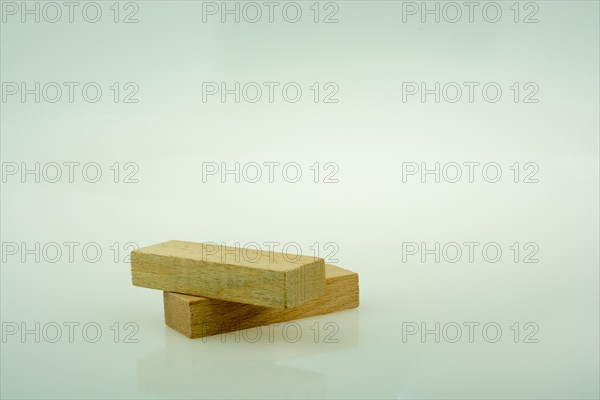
(241, 275)
(198, 316)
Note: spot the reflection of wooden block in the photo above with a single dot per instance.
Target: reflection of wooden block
(198, 316)
(242, 275)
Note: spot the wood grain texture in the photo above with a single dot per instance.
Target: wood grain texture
(197, 317)
(249, 276)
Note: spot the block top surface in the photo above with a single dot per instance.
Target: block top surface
(333, 271)
(218, 254)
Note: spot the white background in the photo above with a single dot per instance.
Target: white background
(370, 133)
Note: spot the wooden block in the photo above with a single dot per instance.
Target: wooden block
(249, 276)
(198, 316)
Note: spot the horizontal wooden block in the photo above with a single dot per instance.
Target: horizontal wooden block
(198, 316)
(236, 274)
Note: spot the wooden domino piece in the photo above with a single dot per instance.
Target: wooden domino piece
(250, 276)
(199, 316)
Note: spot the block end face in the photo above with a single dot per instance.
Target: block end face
(177, 313)
(305, 283)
